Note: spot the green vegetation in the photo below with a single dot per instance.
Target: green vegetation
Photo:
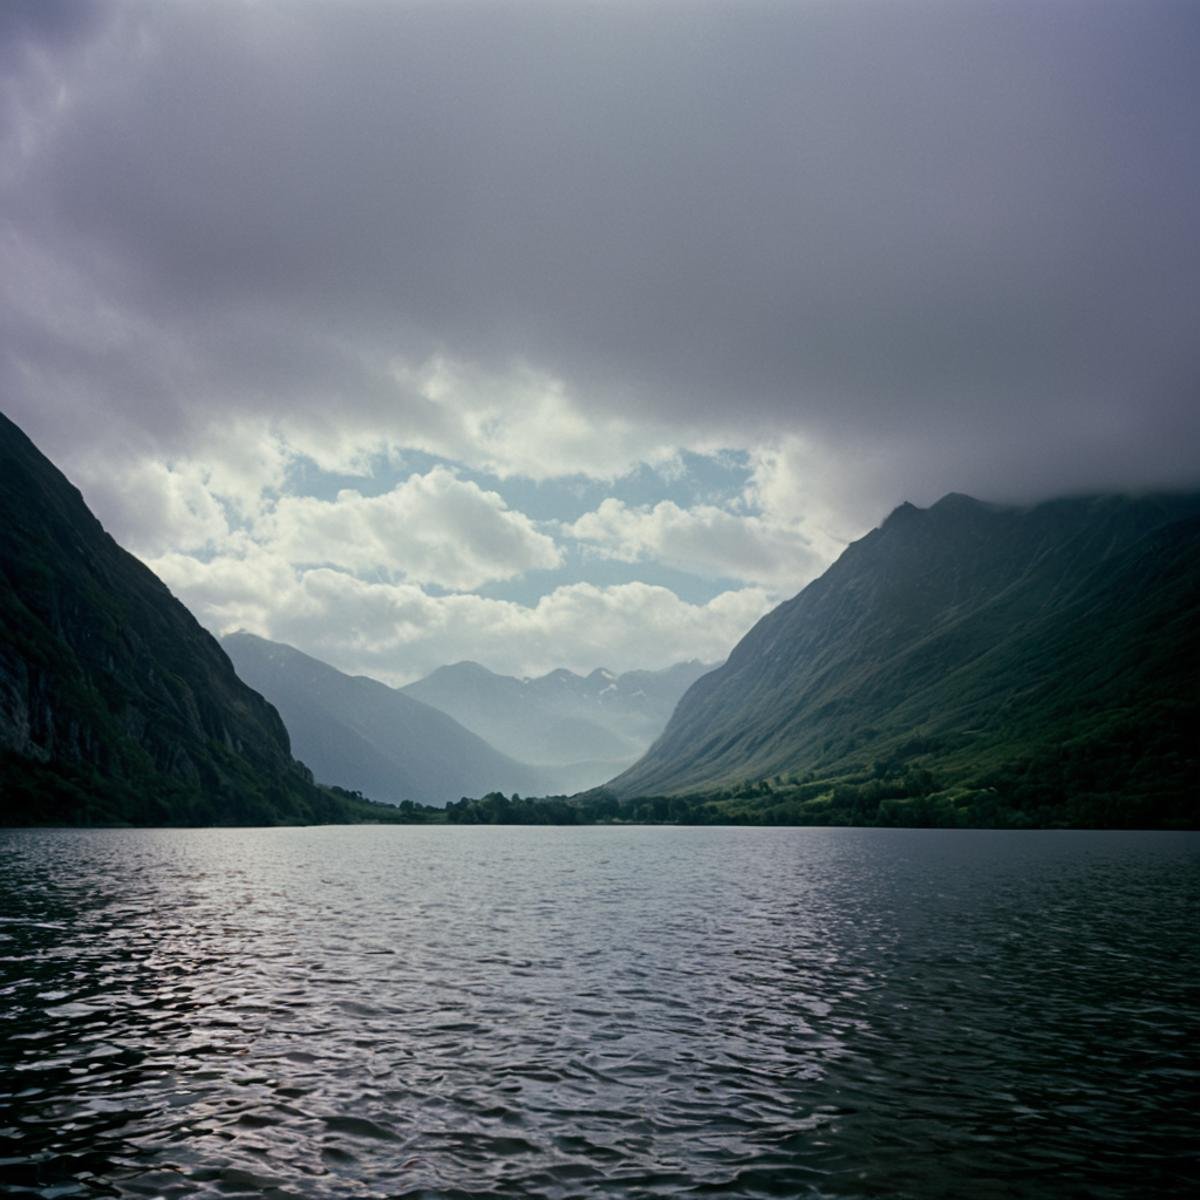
(116, 707)
(70, 794)
(1126, 776)
(1073, 790)
(966, 664)
(962, 666)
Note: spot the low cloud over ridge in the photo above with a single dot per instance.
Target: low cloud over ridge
(882, 251)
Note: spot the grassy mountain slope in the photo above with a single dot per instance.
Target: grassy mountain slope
(115, 705)
(989, 648)
(371, 737)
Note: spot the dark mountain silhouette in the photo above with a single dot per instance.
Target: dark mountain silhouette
(1046, 659)
(115, 705)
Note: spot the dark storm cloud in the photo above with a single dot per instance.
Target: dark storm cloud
(39, 24)
(957, 239)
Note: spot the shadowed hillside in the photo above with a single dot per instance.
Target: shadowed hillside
(115, 705)
(1041, 658)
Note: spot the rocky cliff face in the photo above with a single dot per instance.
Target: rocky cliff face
(115, 705)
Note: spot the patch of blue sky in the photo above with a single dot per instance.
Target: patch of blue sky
(205, 554)
(690, 480)
(580, 567)
(381, 473)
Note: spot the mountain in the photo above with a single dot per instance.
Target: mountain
(583, 727)
(115, 705)
(371, 737)
(1038, 660)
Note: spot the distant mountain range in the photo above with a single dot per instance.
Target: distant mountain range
(581, 728)
(115, 705)
(372, 738)
(964, 664)
(1045, 660)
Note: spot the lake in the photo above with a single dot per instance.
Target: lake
(433, 1011)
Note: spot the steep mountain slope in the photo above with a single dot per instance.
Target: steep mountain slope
(584, 726)
(371, 737)
(115, 705)
(980, 643)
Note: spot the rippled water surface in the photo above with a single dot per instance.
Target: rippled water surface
(450, 1011)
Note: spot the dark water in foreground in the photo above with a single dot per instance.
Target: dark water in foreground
(539, 1012)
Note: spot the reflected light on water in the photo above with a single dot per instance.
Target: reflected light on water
(442, 1011)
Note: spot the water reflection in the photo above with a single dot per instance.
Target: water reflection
(634, 1012)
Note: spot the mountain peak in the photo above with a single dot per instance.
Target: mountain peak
(240, 635)
(955, 502)
(467, 669)
(950, 505)
(372, 738)
(902, 514)
(914, 646)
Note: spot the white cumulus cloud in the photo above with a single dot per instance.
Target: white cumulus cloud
(704, 540)
(154, 507)
(398, 632)
(433, 528)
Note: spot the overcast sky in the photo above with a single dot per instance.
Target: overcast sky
(581, 334)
